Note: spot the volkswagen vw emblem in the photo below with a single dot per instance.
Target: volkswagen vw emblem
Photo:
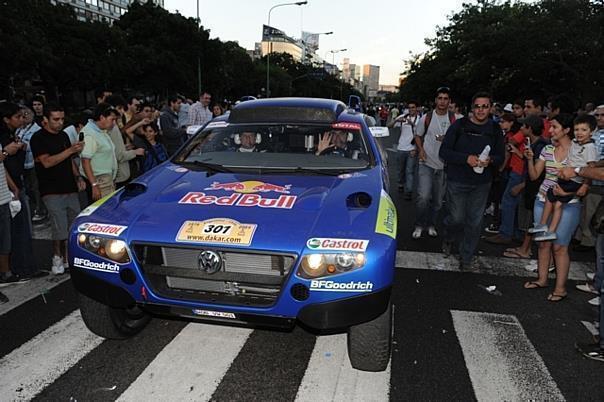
(209, 261)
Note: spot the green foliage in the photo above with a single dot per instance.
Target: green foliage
(148, 50)
(514, 49)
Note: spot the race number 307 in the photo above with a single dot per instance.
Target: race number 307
(217, 229)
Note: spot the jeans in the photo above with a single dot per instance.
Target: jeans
(601, 317)
(430, 192)
(465, 206)
(31, 185)
(21, 256)
(599, 277)
(571, 215)
(599, 281)
(509, 206)
(407, 165)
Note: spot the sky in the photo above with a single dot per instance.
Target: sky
(383, 33)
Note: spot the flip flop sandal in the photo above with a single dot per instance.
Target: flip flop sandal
(534, 285)
(554, 298)
(515, 254)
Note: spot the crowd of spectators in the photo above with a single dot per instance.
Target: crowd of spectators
(54, 165)
(534, 166)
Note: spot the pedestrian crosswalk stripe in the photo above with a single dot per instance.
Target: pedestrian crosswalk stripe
(330, 377)
(191, 366)
(502, 362)
(21, 293)
(500, 266)
(28, 369)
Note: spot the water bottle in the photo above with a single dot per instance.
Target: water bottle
(483, 157)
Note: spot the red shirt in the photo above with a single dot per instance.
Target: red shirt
(516, 163)
(545, 133)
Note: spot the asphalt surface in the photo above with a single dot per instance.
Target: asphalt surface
(428, 360)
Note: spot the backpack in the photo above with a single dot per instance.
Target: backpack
(429, 119)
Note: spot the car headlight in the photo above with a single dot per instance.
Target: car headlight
(112, 249)
(316, 265)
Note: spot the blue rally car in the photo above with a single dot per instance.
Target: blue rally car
(274, 215)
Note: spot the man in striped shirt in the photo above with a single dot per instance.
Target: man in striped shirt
(5, 216)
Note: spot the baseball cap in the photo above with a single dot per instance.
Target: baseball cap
(508, 108)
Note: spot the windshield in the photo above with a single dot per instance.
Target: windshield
(339, 147)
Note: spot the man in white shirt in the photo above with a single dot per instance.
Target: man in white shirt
(406, 149)
(429, 134)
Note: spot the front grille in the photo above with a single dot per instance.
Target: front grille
(245, 277)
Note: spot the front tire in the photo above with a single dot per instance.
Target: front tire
(370, 343)
(111, 322)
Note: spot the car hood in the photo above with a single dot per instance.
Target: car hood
(269, 211)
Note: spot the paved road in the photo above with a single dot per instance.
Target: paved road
(454, 340)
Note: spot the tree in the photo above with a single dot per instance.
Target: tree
(148, 50)
(514, 49)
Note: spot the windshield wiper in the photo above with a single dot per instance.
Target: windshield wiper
(211, 168)
(324, 172)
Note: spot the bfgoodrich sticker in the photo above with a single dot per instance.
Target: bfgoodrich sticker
(320, 243)
(96, 265)
(331, 286)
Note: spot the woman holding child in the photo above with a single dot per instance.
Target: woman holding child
(563, 206)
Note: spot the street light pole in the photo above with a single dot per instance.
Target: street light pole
(269, 43)
(198, 57)
(333, 54)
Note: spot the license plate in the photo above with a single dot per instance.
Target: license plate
(217, 314)
(217, 231)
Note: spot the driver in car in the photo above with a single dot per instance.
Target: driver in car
(335, 142)
(247, 142)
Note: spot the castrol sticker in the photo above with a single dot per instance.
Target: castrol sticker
(217, 231)
(319, 243)
(101, 229)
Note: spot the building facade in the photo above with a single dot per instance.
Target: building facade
(101, 10)
(371, 79)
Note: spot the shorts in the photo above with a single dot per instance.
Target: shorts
(571, 216)
(5, 219)
(567, 185)
(62, 210)
(105, 183)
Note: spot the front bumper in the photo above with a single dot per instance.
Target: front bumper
(330, 315)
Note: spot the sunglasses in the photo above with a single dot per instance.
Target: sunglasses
(483, 106)
(598, 114)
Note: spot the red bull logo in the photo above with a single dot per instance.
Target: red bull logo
(249, 187)
(239, 200)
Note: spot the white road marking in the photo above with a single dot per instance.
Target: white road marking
(191, 366)
(502, 363)
(500, 266)
(29, 369)
(23, 292)
(330, 377)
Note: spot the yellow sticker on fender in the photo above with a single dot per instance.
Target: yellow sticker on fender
(217, 231)
(89, 210)
(386, 219)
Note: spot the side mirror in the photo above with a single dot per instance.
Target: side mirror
(191, 130)
(379, 132)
